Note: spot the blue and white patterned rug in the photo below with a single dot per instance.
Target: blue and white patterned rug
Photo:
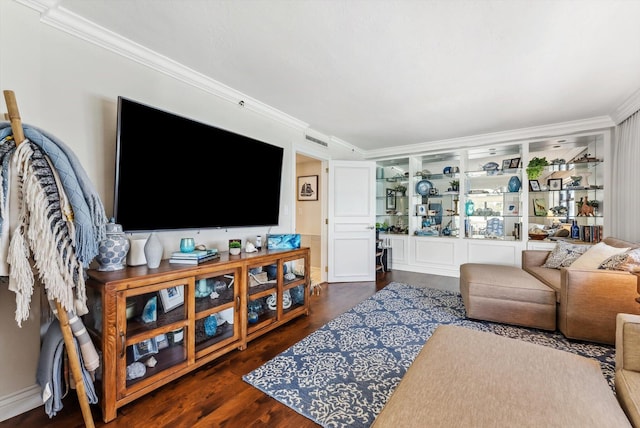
(342, 374)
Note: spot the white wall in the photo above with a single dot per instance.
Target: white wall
(69, 87)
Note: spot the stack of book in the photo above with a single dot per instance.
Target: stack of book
(194, 257)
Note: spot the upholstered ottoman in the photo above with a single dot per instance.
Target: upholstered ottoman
(473, 379)
(507, 294)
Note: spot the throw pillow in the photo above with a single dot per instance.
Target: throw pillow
(563, 254)
(627, 261)
(594, 256)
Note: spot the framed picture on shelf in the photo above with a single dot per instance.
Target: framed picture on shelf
(391, 199)
(554, 183)
(506, 164)
(515, 163)
(534, 185)
(308, 188)
(172, 297)
(539, 207)
(145, 348)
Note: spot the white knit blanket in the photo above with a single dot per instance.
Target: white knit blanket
(45, 230)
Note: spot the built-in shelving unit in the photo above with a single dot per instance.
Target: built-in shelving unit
(478, 204)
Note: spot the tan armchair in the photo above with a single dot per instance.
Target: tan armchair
(627, 377)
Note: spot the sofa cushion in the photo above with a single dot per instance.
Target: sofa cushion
(595, 255)
(563, 254)
(627, 261)
(550, 277)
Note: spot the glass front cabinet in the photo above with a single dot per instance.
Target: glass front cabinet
(154, 325)
(487, 203)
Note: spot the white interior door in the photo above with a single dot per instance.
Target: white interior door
(351, 231)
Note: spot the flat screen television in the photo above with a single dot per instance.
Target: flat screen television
(175, 173)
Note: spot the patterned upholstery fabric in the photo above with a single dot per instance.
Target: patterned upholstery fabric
(564, 254)
(627, 261)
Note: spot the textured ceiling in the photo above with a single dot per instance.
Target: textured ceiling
(379, 73)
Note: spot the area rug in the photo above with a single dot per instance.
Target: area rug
(342, 374)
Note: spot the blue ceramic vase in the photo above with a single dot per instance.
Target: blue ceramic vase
(514, 184)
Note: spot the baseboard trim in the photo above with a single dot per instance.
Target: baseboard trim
(20, 402)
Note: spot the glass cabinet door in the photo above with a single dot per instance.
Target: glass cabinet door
(153, 331)
(295, 291)
(216, 310)
(262, 299)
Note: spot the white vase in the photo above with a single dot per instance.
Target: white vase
(136, 257)
(153, 251)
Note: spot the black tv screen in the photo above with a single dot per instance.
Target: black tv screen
(176, 173)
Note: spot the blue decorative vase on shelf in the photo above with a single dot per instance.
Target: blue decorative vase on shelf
(514, 184)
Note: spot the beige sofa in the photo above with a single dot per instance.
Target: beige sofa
(588, 299)
(468, 378)
(627, 377)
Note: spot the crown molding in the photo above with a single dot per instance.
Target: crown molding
(51, 13)
(516, 135)
(627, 108)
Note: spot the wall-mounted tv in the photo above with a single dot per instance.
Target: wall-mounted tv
(176, 173)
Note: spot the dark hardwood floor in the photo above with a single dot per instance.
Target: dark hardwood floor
(215, 395)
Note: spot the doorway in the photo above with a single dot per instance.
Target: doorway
(310, 214)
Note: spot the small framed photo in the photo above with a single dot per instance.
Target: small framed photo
(534, 185)
(145, 348)
(308, 188)
(506, 164)
(391, 199)
(539, 207)
(555, 183)
(515, 163)
(172, 297)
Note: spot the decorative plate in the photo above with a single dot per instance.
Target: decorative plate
(423, 187)
(490, 166)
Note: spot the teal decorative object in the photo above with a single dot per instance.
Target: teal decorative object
(210, 325)
(469, 207)
(150, 311)
(514, 184)
(187, 245)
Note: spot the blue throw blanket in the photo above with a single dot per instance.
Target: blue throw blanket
(50, 371)
(88, 211)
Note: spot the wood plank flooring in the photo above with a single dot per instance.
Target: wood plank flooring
(215, 395)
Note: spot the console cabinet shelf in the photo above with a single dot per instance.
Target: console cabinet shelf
(181, 316)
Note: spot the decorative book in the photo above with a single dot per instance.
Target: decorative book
(193, 261)
(195, 254)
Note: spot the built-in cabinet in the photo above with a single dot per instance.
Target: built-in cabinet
(439, 210)
(152, 326)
